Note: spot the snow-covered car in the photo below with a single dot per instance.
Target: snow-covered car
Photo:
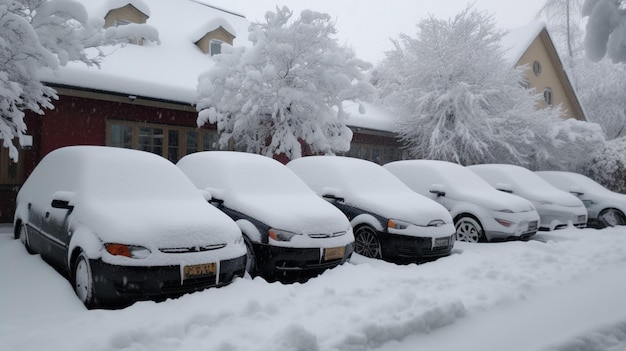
(125, 225)
(390, 221)
(290, 233)
(605, 208)
(480, 212)
(557, 209)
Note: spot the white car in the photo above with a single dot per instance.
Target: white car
(291, 234)
(480, 212)
(557, 209)
(390, 221)
(125, 225)
(605, 207)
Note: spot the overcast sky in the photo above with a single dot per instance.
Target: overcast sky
(367, 25)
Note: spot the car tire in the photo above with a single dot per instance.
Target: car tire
(23, 236)
(469, 229)
(611, 217)
(366, 242)
(83, 281)
(251, 260)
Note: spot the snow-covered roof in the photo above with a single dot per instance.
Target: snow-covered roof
(168, 70)
(373, 117)
(517, 40)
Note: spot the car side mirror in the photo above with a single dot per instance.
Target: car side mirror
(576, 191)
(437, 189)
(62, 204)
(332, 194)
(212, 195)
(62, 200)
(505, 187)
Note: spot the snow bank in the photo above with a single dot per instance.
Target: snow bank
(357, 306)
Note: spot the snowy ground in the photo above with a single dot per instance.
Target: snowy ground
(563, 291)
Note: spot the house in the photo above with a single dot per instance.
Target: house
(532, 47)
(143, 95)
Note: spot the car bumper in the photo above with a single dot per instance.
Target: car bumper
(523, 226)
(552, 217)
(274, 262)
(114, 282)
(403, 247)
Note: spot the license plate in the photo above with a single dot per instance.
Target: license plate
(334, 253)
(199, 270)
(439, 242)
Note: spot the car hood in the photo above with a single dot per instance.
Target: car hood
(301, 213)
(496, 200)
(409, 206)
(557, 197)
(157, 224)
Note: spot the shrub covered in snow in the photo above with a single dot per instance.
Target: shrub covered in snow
(606, 29)
(608, 165)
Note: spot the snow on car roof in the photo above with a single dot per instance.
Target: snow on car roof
(116, 190)
(524, 182)
(240, 171)
(264, 189)
(367, 185)
(423, 173)
(569, 181)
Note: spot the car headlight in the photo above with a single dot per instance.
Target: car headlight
(504, 211)
(588, 203)
(504, 222)
(397, 224)
(130, 251)
(280, 235)
(436, 223)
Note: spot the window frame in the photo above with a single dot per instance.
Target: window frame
(182, 146)
(5, 168)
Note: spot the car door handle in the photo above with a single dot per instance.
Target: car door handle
(47, 214)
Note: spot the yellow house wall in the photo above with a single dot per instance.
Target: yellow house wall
(127, 13)
(551, 77)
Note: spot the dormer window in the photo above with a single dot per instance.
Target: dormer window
(215, 47)
(213, 35)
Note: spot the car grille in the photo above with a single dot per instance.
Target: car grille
(177, 250)
(582, 219)
(326, 235)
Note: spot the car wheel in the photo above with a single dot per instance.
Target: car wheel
(611, 217)
(23, 236)
(366, 242)
(251, 264)
(83, 281)
(469, 229)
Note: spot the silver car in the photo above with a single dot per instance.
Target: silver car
(557, 209)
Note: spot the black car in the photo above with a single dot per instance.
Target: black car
(390, 221)
(125, 225)
(290, 233)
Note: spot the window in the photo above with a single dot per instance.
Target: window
(380, 154)
(547, 96)
(215, 47)
(171, 142)
(537, 68)
(10, 172)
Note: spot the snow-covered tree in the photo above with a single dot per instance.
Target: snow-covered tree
(606, 29)
(458, 99)
(608, 165)
(286, 90)
(40, 34)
